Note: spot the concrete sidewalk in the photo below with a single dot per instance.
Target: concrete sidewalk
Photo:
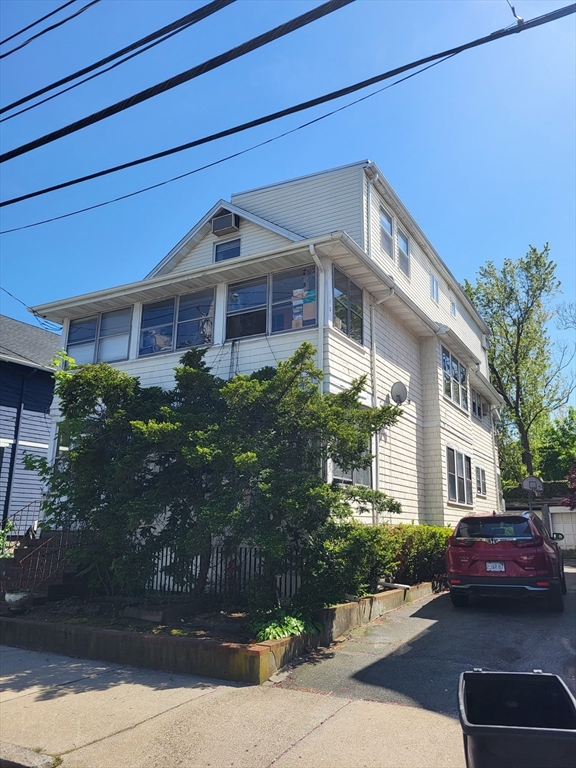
(97, 715)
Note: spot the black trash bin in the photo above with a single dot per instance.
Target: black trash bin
(517, 720)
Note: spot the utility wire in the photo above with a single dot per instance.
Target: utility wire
(207, 66)
(171, 29)
(224, 159)
(303, 105)
(44, 324)
(48, 29)
(38, 21)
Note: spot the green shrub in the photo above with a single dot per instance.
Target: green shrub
(419, 551)
(349, 558)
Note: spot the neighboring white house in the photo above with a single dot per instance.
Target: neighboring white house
(336, 259)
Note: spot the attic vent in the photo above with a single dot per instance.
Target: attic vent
(224, 225)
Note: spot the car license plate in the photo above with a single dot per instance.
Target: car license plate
(495, 567)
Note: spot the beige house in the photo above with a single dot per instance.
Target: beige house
(333, 258)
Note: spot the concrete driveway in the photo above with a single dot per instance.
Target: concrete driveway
(413, 656)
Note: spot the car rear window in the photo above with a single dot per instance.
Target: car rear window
(499, 528)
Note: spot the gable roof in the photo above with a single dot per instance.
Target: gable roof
(202, 228)
(27, 345)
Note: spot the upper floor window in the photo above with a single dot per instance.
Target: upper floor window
(184, 321)
(230, 249)
(479, 407)
(386, 233)
(434, 288)
(100, 339)
(459, 468)
(348, 310)
(403, 253)
(455, 379)
(273, 303)
(452, 307)
(480, 481)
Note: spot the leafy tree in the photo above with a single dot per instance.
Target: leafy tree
(570, 500)
(513, 302)
(558, 448)
(240, 460)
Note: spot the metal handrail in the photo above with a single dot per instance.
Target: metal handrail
(42, 568)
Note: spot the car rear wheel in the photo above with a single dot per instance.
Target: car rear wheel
(556, 600)
(458, 600)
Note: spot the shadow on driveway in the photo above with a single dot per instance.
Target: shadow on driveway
(501, 635)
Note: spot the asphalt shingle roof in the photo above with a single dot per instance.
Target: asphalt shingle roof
(26, 343)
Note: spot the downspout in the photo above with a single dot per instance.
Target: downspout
(321, 312)
(14, 452)
(389, 295)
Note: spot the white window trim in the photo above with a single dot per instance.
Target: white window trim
(97, 339)
(468, 482)
(450, 398)
(434, 288)
(175, 323)
(480, 482)
(270, 305)
(403, 233)
(382, 209)
(223, 242)
(346, 335)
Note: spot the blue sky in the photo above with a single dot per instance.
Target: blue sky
(480, 148)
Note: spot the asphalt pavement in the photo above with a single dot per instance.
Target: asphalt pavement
(414, 656)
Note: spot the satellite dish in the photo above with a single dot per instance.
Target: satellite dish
(399, 392)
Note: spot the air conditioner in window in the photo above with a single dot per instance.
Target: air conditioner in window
(485, 341)
(224, 225)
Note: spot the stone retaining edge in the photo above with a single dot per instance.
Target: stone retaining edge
(244, 663)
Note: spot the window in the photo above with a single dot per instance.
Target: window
(185, 321)
(353, 476)
(452, 307)
(480, 481)
(230, 249)
(459, 468)
(294, 299)
(479, 407)
(403, 253)
(434, 288)
(386, 233)
(501, 527)
(100, 339)
(348, 310)
(455, 379)
(289, 298)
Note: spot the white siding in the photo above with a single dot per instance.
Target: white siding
(253, 239)
(312, 206)
(250, 355)
(417, 285)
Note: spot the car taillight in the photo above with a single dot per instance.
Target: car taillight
(453, 542)
(535, 542)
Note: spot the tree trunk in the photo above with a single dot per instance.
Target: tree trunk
(205, 558)
(526, 453)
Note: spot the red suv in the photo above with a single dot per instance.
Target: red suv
(505, 555)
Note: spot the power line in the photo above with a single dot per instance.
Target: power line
(223, 159)
(303, 105)
(48, 29)
(44, 324)
(168, 31)
(38, 21)
(172, 82)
